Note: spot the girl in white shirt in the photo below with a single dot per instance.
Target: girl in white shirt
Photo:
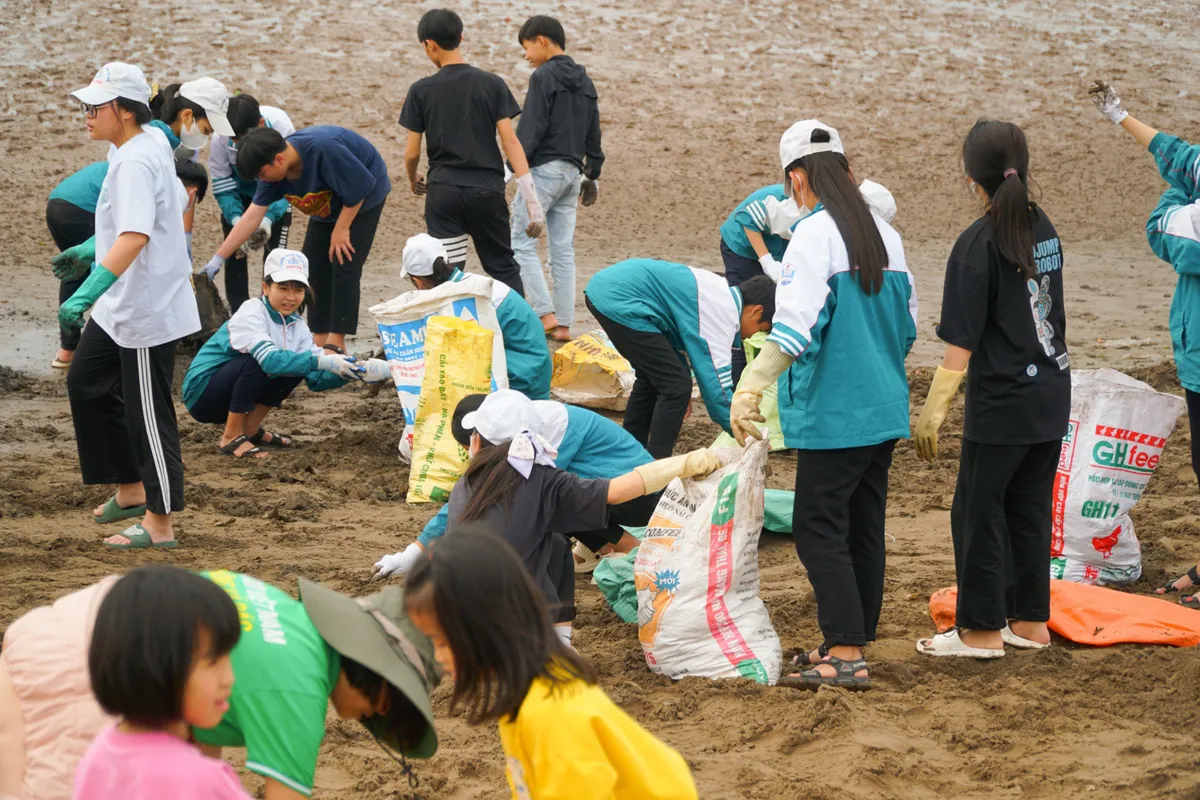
(140, 295)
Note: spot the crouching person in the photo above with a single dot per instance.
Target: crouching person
(258, 358)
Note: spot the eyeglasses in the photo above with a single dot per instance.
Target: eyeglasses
(93, 111)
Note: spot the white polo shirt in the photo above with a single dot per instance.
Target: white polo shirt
(152, 303)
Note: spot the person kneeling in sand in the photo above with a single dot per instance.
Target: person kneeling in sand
(292, 660)
(257, 359)
(588, 445)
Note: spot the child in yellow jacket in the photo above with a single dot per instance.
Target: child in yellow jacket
(562, 736)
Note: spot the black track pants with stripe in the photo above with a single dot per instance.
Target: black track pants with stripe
(125, 417)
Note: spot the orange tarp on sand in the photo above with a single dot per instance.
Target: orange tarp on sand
(1098, 616)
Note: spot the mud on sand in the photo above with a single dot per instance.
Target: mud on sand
(1067, 720)
(694, 95)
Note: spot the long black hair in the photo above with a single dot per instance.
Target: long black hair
(829, 176)
(173, 102)
(996, 156)
(442, 271)
(492, 480)
(495, 621)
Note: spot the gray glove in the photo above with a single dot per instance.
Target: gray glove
(213, 266)
(1105, 97)
(260, 237)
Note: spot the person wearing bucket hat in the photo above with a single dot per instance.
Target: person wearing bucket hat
(846, 317)
(530, 366)
(562, 736)
(589, 445)
(257, 359)
(140, 295)
(513, 484)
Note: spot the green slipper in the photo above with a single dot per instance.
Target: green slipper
(114, 513)
(139, 539)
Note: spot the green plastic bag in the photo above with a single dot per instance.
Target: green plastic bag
(769, 407)
(614, 575)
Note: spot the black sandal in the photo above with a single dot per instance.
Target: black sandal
(822, 654)
(1191, 601)
(231, 449)
(1192, 575)
(277, 439)
(845, 677)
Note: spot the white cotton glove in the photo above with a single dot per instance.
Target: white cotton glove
(213, 266)
(375, 370)
(397, 563)
(341, 365)
(260, 237)
(507, 174)
(1106, 100)
(589, 190)
(537, 217)
(770, 266)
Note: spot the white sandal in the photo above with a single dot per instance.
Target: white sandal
(951, 644)
(1020, 642)
(585, 560)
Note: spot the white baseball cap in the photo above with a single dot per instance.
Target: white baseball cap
(503, 415)
(420, 252)
(286, 265)
(879, 199)
(115, 80)
(797, 142)
(211, 95)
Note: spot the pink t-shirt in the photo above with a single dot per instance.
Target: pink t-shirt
(152, 766)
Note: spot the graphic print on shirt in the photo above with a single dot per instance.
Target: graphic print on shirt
(1047, 258)
(517, 773)
(315, 204)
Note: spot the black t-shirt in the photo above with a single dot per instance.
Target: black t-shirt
(457, 109)
(1019, 377)
(551, 502)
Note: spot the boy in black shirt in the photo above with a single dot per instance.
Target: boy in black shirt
(462, 109)
(560, 131)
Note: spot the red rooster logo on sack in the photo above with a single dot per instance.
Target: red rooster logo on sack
(1104, 544)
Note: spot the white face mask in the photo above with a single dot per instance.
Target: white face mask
(192, 137)
(801, 207)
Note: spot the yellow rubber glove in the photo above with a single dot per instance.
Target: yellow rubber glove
(937, 405)
(657, 474)
(769, 364)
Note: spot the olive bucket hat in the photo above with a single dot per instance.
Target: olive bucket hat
(375, 631)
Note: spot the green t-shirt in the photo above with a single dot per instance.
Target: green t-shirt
(283, 676)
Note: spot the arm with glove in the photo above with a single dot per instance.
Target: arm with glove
(654, 477)
(74, 262)
(520, 167)
(946, 380)
(103, 275)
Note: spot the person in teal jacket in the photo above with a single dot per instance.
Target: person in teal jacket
(71, 218)
(1173, 231)
(529, 364)
(846, 319)
(663, 317)
(587, 444)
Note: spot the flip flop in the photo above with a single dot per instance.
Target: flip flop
(951, 644)
(113, 512)
(1020, 642)
(277, 439)
(139, 539)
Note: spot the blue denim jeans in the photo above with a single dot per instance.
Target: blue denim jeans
(557, 184)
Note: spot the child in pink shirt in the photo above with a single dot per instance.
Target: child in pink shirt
(159, 660)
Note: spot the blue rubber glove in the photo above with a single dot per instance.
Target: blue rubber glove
(74, 262)
(70, 313)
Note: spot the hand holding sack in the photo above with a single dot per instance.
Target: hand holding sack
(744, 415)
(70, 313)
(341, 365)
(937, 406)
(213, 266)
(1105, 97)
(537, 216)
(658, 474)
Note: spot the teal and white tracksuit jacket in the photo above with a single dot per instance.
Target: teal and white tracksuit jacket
(847, 387)
(529, 364)
(589, 445)
(281, 345)
(696, 310)
(1174, 233)
(234, 194)
(753, 213)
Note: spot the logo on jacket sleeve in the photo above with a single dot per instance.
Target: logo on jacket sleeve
(315, 204)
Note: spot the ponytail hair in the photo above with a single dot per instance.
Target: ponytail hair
(492, 481)
(829, 176)
(442, 270)
(173, 102)
(996, 156)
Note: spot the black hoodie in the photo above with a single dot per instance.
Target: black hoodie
(561, 121)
